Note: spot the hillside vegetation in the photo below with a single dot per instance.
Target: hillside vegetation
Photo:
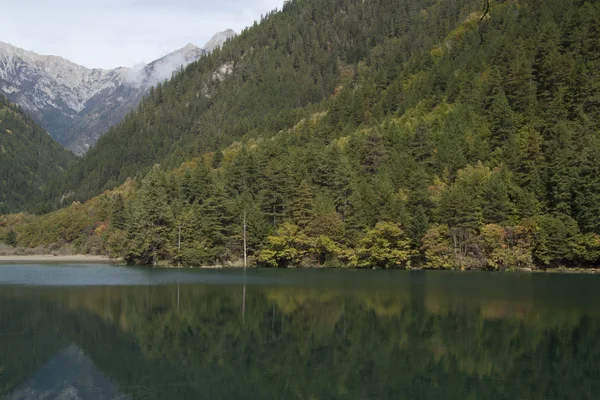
(366, 134)
(29, 159)
(259, 83)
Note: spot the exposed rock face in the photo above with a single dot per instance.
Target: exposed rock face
(76, 105)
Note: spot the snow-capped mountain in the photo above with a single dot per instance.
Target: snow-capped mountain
(76, 105)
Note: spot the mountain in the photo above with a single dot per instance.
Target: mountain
(359, 134)
(29, 158)
(218, 40)
(76, 105)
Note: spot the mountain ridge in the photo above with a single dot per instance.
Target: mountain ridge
(76, 104)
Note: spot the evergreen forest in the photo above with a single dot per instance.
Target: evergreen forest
(29, 160)
(343, 133)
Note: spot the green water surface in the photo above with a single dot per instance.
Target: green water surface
(105, 332)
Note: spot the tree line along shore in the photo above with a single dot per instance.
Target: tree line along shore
(355, 135)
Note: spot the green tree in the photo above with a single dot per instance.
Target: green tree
(385, 246)
(118, 218)
(303, 205)
(287, 248)
(11, 238)
(496, 204)
(558, 240)
(324, 250)
(437, 248)
(150, 230)
(506, 248)
(216, 223)
(217, 159)
(502, 118)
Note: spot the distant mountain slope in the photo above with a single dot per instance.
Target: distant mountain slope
(29, 158)
(76, 104)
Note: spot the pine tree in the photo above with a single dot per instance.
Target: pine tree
(520, 83)
(419, 224)
(199, 186)
(461, 209)
(374, 153)
(558, 240)
(497, 207)
(502, 119)
(272, 195)
(150, 230)
(303, 205)
(118, 219)
(215, 223)
(217, 159)
(185, 188)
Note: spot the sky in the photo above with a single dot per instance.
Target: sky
(114, 33)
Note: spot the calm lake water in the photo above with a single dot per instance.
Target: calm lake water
(105, 332)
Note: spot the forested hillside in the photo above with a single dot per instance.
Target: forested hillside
(365, 134)
(29, 158)
(260, 82)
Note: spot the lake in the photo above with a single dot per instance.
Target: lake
(107, 332)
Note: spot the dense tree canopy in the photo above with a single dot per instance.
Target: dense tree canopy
(259, 83)
(29, 159)
(372, 134)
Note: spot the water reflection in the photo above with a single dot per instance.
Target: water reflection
(68, 374)
(379, 336)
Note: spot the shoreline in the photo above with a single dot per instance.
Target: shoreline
(80, 258)
(87, 258)
(572, 271)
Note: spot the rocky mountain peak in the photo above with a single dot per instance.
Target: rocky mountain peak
(189, 47)
(218, 39)
(75, 104)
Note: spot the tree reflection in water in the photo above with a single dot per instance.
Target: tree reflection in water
(421, 336)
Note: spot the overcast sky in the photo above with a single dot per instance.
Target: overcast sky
(112, 33)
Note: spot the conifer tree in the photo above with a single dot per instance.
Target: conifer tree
(150, 228)
(215, 222)
(217, 159)
(303, 205)
(118, 219)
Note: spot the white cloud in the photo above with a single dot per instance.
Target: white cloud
(111, 33)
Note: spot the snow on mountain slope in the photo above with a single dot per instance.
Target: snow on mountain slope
(76, 105)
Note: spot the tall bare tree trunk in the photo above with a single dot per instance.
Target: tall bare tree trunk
(245, 242)
(179, 246)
